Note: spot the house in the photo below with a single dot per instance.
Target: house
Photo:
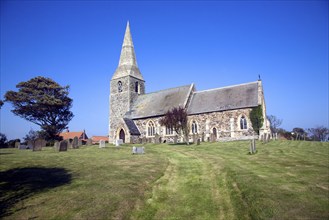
(97, 139)
(70, 135)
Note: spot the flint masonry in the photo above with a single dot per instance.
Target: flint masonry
(219, 114)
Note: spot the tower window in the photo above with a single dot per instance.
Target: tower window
(119, 86)
(243, 123)
(194, 127)
(137, 87)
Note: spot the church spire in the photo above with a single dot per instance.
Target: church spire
(127, 63)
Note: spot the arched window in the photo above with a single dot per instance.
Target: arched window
(150, 129)
(194, 127)
(119, 86)
(243, 123)
(137, 87)
(169, 131)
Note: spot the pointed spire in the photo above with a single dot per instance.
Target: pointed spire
(127, 62)
(127, 56)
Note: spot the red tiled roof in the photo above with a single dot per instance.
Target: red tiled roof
(96, 139)
(71, 135)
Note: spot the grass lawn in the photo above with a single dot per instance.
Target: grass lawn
(284, 180)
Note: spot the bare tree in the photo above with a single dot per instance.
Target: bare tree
(319, 133)
(274, 124)
(298, 133)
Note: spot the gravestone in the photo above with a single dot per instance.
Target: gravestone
(138, 150)
(118, 142)
(39, 144)
(22, 147)
(268, 136)
(144, 140)
(17, 144)
(101, 144)
(75, 143)
(212, 137)
(79, 143)
(202, 137)
(89, 142)
(252, 146)
(198, 141)
(30, 144)
(175, 139)
(62, 146)
(69, 143)
(156, 138)
(56, 145)
(194, 138)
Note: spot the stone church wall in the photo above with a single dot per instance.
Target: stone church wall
(227, 125)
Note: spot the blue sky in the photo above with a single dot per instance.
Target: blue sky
(209, 43)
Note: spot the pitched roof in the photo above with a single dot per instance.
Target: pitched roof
(158, 103)
(131, 126)
(71, 135)
(226, 98)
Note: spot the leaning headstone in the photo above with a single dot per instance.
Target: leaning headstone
(62, 146)
(39, 144)
(29, 145)
(56, 145)
(89, 142)
(17, 144)
(101, 144)
(75, 143)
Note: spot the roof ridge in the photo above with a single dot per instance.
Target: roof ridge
(225, 87)
(166, 89)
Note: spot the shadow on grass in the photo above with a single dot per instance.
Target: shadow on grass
(21, 183)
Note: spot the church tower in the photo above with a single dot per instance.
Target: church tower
(126, 84)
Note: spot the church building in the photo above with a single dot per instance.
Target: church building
(220, 114)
